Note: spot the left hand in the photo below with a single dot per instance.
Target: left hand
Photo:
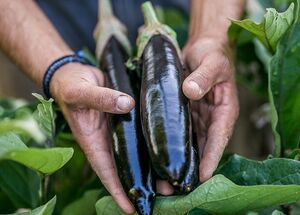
(212, 89)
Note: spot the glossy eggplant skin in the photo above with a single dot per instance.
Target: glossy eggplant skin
(164, 110)
(129, 146)
(191, 178)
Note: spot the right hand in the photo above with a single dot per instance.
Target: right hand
(83, 98)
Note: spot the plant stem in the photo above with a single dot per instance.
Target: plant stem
(149, 14)
(105, 9)
(44, 188)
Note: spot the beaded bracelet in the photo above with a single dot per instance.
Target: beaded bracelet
(78, 58)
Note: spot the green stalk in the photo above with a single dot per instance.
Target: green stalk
(109, 26)
(105, 9)
(149, 14)
(153, 27)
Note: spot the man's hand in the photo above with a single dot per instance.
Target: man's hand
(79, 90)
(211, 87)
(81, 94)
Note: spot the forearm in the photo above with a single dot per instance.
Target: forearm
(210, 18)
(28, 38)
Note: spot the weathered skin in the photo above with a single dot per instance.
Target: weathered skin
(164, 110)
(129, 146)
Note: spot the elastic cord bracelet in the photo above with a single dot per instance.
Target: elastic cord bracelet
(78, 58)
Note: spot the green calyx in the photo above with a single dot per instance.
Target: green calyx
(107, 27)
(153, 27)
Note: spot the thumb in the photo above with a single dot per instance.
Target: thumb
(205, 77)
(105, 100)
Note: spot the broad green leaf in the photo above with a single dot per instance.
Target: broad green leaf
(84, 205)
(45, 116)
(279, 171)
(45, 161)
(284, 89)
(46, 209)
(9, 142)
(271, 28)
(217, 196)
(23, 126)
(20, 184)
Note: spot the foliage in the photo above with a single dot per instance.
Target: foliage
(46, 209)
(23, 168)
(271, 28)
(278, 171)
(217, 196)
(284, 87)
(280, 33)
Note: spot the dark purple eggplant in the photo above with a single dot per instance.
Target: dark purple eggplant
(164, 110)
(191, 178)
(129, 146)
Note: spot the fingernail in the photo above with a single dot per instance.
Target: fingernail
(123, 103)
(195, 88)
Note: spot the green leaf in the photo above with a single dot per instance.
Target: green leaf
(279, 171)
(271, 28)
(217, 196)
(46, 209)
(20, 184)
(45, 116)
(45, 161)
(84, 205)
(277, 212)
(284, 89)
(25, 126)
(9, 142)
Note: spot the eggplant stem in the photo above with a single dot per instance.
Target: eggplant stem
(109, 26)
(153, 27)
(149, 14)
(105, 9)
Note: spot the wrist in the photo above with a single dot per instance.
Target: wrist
(211, 18)
(62, 79)
(68, 68)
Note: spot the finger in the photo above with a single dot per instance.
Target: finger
(220, 130)
(214, 70)
(105, 99)
(164, 188)
(98, 152)
(101, 160)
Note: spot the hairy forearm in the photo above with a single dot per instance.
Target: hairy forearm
(210, 18)
(28, 38)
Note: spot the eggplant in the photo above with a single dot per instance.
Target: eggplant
(191, 178)
(129, 146)
(165, 114)
(164, 109)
